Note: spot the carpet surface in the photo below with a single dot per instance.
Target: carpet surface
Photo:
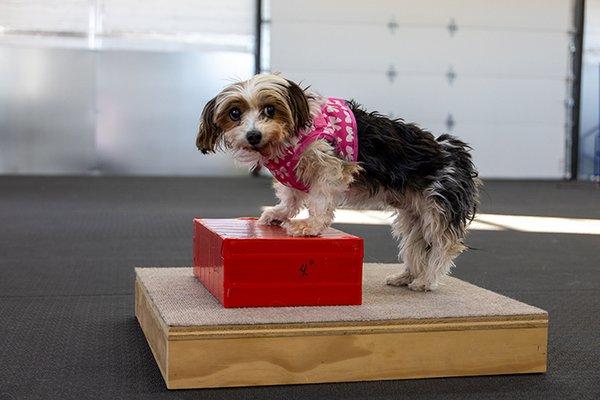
(69, 245)
(181, 300)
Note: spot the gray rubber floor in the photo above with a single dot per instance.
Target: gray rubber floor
(68, 247)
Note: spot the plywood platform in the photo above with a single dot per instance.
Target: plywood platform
(459, 330)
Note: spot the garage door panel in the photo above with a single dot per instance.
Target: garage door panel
(427, 51)
(505, 151)
(496, 156)
(530, 14)
(418, 98)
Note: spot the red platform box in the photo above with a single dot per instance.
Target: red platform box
(244, 264)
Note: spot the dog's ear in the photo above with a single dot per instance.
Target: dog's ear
(299, 104)
(208, 132)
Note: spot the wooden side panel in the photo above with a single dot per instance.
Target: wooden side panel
(254, 361)
(152, 327)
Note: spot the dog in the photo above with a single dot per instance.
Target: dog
(327, 152)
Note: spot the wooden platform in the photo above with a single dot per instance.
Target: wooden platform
(459, 330)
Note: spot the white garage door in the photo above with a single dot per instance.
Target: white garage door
(494, 73)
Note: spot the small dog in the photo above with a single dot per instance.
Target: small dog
(327, 152)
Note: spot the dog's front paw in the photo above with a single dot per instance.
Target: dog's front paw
(303, 227)
(271, 217)
(422, 285)
(401, 279)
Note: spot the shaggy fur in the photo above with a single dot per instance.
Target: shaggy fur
(430, 182)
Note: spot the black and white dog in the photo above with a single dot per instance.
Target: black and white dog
(327, 152)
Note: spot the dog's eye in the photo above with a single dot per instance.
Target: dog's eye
(270, 111)
(235, 114)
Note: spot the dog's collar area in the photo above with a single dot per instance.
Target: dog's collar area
(335, 124)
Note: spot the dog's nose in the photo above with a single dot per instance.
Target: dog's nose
(253, 137)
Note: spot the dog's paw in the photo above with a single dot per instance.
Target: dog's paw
(303, 227)
(422, 285)
(270, 217)
(401, 279)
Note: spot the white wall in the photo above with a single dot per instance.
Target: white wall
(510, 59)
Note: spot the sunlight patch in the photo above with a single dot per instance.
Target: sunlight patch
(483, 222)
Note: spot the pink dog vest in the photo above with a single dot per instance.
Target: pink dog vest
(335, 124)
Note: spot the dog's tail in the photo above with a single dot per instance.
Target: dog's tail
(460, 181)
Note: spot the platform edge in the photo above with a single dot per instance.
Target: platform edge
(361, 357)
(154, 329)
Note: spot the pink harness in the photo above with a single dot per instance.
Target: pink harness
(335, 124)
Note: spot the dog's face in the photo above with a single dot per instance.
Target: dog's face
(258, 115)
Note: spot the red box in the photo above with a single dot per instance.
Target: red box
(244, 264)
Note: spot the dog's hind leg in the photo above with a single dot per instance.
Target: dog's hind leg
(444, 244)
(413, 247)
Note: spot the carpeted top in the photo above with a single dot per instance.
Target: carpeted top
(182, 301)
